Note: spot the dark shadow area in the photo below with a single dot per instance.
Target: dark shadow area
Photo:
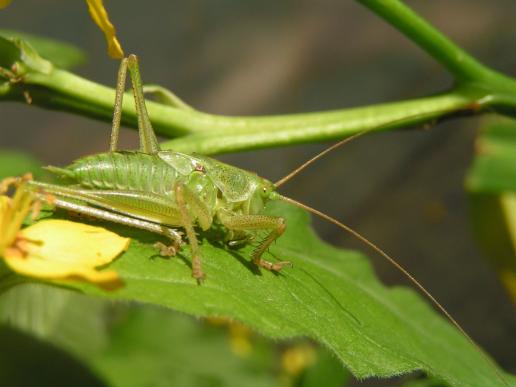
(45, 366)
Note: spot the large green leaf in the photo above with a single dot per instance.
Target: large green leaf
(155, 348)
(141, 345)
(331, 296)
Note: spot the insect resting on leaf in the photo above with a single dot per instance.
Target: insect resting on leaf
(163, 190)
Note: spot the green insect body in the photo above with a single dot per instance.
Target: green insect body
(142, 185)
(162, 191)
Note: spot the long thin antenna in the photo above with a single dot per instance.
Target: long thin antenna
(418, 117)
(390, 259)
(317, 157)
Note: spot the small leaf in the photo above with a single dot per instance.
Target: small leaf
(63, 55)
(9, 53)
(166, 97)
(491, 186)
(15, 52)
(100, 17)
(59, 249)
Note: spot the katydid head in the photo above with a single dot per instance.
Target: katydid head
(267, 189)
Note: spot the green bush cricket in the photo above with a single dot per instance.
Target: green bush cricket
(162, 191)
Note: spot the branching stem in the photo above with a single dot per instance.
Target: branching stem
(477, 89)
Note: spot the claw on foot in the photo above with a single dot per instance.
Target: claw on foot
(200, 277)
(273, 266)
(166, 250)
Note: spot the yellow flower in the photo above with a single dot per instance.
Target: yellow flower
(100, 17)
(297, 358)
(55, 249)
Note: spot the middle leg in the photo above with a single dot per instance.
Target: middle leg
(191, 209)
(259, 222)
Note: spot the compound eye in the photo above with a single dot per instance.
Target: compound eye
(200, 168)
(264, 189)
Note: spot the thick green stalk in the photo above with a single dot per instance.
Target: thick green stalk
(478, 89)
(458, 62)
(210, 134)
(264, 132)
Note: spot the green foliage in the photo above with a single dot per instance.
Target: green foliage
(493, 168)
(63, 55)
(25, 361)
(17, 163)
(491, 184)
(20, 57)
(182, 354)
(330, 295)
(131, 345)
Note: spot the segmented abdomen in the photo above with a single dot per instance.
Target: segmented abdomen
(133, 171)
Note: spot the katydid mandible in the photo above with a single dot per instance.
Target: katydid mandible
(163, 191)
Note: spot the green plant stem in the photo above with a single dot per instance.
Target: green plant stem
(266, 132)
(457, 61)
(477, 89)
(209, 134)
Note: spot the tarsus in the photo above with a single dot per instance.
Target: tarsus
(317, 157)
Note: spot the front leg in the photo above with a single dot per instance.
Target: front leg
(259, 222)
(191, 209)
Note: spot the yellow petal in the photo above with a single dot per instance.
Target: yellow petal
(12, 212)
(59, 249)
(509, 280)
(297, 358)
(5, 203)
(100, 17)
(4, 3)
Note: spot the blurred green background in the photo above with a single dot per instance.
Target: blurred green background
(402, 190)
